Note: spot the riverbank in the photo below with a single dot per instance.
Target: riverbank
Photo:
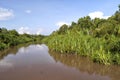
(9, 38)
(96, 38)
(86, 46)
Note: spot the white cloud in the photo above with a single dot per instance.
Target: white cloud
(28, 30)
(28, 11)
(98, 14)
(23, 30)
(39, 31)
(6, 14)
(42, 47)
(59, 24)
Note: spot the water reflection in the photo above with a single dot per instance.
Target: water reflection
(86, 65)
(34, 62)
(11, 50)
(4, 63)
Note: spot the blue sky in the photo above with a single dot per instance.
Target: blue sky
(45, 16)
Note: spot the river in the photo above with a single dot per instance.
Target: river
(35, 62)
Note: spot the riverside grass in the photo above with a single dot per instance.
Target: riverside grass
(84, 45)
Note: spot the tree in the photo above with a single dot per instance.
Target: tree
(63, 29)
(0, 30)
(13, 32)
(4, 30)
(119, 7)
(96, 22)
(85, 22)
(72, 25)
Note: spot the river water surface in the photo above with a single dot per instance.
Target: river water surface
(34, 62)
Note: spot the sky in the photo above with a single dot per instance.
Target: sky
(46, 16)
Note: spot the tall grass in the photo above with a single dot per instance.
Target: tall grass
(84, 45)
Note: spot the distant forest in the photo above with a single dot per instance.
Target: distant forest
(10, 38)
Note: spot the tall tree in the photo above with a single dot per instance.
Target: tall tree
(63, 29)
(85, 22)
(119, 7)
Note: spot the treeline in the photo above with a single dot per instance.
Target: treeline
(10, 38)
(96, 38)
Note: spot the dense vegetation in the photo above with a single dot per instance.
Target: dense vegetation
(10, 38)
(96, 38)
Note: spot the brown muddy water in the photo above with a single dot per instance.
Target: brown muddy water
(34, 62)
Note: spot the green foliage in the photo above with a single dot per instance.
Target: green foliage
(63, 29)
(2, 46)
(96, 38)
(11, 38)
(85, 22)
